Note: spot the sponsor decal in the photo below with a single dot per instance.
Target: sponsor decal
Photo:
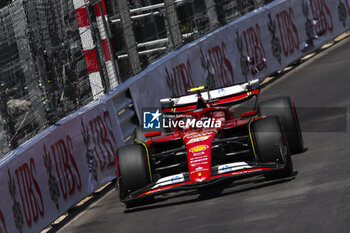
(198, 153)
(198, 139)
(319, 22)
(221, 92)
(288, 31)
(196, 135)
(309, 26)
(52, 182)
(169, 180)
(175, 179)
(199, 148)
(65, 169)
(342, 13)
(251, 49)
(209, 71)
(16, 206)
(217, 66)
(199, 169)
(199, 157)
(196, 164)
(199, 160)
(233, 167)
(226, 168)
(275, 41)
(179, 78)
(247, 171)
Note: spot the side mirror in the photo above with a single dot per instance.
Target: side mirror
(153, 134)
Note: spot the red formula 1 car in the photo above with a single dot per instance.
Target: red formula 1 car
(259, 141)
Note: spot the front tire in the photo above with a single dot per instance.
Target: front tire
(271, 146)
(133, 169)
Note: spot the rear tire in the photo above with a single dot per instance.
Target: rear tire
(133, 169)
(271, 145)
(283, 107)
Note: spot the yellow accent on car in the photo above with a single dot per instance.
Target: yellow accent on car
(147, 154)
(251, 138)
(197, 89)
(198, 148)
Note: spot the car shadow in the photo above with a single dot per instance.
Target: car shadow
(305, 150)
(211, 192)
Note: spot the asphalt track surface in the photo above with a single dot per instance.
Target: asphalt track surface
(315, 199)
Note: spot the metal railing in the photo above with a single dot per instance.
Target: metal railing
(193, 19)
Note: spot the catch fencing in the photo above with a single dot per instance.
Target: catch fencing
(57, 56)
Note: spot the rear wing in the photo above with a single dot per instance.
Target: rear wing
(218, 97)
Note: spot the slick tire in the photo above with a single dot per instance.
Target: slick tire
(270, 145)
(283, 107)
(133, 169)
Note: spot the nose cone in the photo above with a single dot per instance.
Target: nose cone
(199, 154)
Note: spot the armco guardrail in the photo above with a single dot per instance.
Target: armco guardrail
(47, 175)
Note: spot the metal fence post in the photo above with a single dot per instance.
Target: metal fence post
(259, 3)
(175, 34)
(213, 17)
(129, 35)
(105, 35)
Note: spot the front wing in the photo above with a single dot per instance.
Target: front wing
(179, 182)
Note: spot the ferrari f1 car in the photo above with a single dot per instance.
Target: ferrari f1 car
(258, 141)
